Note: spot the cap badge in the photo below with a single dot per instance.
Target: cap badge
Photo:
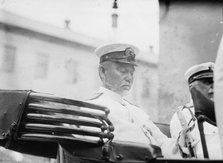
(129, 52)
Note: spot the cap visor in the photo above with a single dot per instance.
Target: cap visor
(126, 62)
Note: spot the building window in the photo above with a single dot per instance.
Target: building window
(41, 66)
(114, 20)
(71, 67)
(9, 58)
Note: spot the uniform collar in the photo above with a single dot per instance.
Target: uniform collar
(110, 94)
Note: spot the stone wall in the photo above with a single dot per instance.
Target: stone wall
(189, 34)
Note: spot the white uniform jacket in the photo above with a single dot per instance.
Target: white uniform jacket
(131, 123)
(210, 131)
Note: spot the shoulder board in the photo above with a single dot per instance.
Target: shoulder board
(187, 106)
(95, 96)
(130, 103)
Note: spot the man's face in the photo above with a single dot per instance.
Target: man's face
(205, 86)
(118, 77)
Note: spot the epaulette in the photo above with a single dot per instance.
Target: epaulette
(130, 103)
(95, 97)
(188, 106)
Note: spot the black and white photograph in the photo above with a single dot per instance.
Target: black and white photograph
(109, 81)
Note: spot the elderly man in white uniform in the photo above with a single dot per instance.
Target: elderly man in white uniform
(201, 74)
(132, 124)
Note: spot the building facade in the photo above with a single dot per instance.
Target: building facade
(46, 59)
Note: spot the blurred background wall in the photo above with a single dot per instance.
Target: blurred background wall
(45, 58)
(190, 32)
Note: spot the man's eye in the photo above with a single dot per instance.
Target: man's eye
(207, 81)
(122, 70)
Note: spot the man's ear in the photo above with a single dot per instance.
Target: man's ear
(191, 85)
(101, 71)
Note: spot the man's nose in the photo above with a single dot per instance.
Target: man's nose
(129, 77)
(211, 89)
